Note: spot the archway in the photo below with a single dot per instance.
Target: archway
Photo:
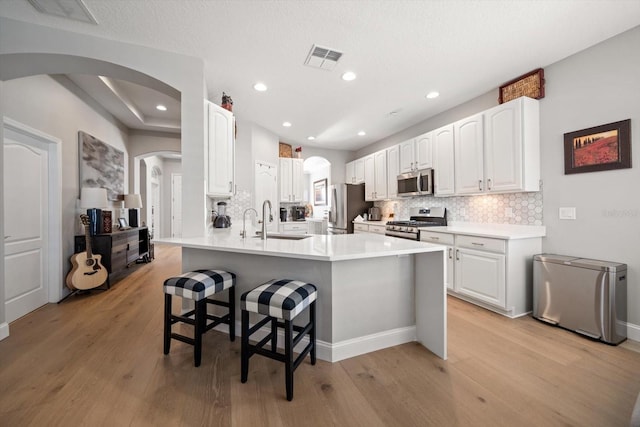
(316, 169)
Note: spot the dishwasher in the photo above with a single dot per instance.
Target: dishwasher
(586, 296)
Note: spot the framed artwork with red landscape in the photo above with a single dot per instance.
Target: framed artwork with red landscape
(598, 148)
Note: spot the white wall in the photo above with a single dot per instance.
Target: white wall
(169, 167)
(42, 103)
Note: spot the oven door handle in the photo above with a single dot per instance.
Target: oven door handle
(412, 236)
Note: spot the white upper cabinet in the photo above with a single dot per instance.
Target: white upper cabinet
(407, 156)
(291, 177)
(354, 172)
(498, 151)
(393, 170)
(512, 146)
(443, 161)
(221, 152)
(416, 153)
(424, 151)
(375, 173)
(468, 136)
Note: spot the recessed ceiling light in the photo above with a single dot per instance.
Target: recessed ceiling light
(362, 133)
(161, 107)
(348, 76)
(286, 124)
(311, 138)
(260, 87)
(432, 95)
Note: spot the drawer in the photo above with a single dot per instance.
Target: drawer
(360, 227)
(378, 229)
(482, 243)
(118, 261)
(433, 237)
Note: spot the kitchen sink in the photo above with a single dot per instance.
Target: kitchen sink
(285, 236)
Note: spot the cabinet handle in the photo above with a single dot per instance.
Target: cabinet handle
(458, 254)
(489, 184)
(230, 186)
(435, 238)
(412, 166)
(477, 244)
(480, 184)
(450, 253)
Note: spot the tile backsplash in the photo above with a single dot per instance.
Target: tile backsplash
(513, 208)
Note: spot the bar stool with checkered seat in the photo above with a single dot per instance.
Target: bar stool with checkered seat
(198, 285)
(279, 299)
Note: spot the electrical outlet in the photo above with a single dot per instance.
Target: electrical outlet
(567, 213)
(508, 212)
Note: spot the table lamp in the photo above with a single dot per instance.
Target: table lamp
(93, 200)
(133, 202)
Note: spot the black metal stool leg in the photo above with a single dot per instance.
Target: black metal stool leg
(312, 332)
(244, 347)
(167, 323)
(232, 313)
(200, 320)
(274, 334)
(288, 354)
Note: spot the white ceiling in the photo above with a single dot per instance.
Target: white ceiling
(399, 49)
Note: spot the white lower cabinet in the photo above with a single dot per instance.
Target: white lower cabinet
(360, 227)
(293, 227)
(493, 273)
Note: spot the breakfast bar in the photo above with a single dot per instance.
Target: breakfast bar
(374, 291)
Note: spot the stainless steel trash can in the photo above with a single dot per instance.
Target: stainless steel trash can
(583, 295)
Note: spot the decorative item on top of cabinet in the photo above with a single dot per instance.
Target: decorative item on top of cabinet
(530, 84)
(221, 151)
(227, 102)
(284, 150)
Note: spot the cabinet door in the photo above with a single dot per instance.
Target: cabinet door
(221, 151)
(469, 163)
(380, 171)
(503, 147)
(284, 176)
(359, 168)
(481, 275)
(443, 161)
(423, 151)
(407, 161)
(369, 178)
(393, 170)
(350, 173)
(297, 179)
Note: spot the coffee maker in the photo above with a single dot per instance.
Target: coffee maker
(297, 213)
(283, 214)
(220, 218)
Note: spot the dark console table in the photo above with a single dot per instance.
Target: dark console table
(118, 249)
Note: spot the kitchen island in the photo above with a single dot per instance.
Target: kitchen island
(374, 291)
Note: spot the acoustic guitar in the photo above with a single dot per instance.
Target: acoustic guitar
(87, 271)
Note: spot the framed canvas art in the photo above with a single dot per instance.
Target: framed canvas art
(598, 148)
(101, 165)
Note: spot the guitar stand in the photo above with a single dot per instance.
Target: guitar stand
(86, 291)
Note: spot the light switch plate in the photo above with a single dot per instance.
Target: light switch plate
(567, 213)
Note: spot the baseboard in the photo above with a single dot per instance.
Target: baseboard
(4, 330)
(633, 332)
(344, 349)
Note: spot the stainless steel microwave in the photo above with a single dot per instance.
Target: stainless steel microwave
(416, 183)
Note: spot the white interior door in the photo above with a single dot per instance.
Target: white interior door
(176, 205)
(26, 224)
(266, 188)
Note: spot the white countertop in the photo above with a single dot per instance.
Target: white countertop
(318, 247)
(499, 231)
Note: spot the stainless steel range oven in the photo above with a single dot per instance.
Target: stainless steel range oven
(420, 217)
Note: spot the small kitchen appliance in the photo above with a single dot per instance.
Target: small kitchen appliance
(220, 218)
(374, 214)
(283, 214)
(420, 217)
(297, 213)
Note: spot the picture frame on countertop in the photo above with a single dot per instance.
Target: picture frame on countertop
(320, 192)
(599, 148)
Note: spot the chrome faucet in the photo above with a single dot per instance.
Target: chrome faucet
(243, 233)
(264, 218)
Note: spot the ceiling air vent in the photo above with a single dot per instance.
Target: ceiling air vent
(71, 9)
(322, 57)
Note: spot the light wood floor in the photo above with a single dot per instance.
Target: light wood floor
(97, 360)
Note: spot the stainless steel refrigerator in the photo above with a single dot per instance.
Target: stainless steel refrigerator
(347, 202)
